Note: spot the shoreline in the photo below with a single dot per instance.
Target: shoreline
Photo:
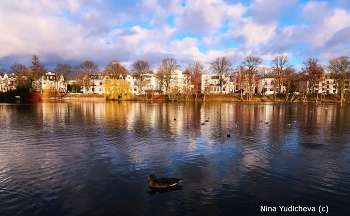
(328, 99)
(209, 98)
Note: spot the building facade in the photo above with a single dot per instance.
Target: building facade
(53, 80)
(7, 83)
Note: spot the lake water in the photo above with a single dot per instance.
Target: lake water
(85, 158)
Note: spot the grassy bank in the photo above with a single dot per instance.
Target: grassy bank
(201, 98)
(243, 98)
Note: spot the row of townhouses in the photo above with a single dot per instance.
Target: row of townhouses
(180, 82)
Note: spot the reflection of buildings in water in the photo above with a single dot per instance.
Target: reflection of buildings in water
(5, 116)
(53, 114)
(58, 113)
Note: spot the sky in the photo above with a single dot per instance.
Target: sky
(73, 31)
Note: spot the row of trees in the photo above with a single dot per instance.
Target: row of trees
(286, 78)
(26, 79)
(246, 75)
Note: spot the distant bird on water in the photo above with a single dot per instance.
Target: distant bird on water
(162, 182)
(228, 135)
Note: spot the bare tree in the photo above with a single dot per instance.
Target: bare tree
(291, 81)
(280, 69)
(66, 70)
(36, 71)
(222, 67)
(2, 71)
(240, 80)
(264, 73)
(166, 72)
(115, 70)
(87, 71)
(195, 70)
(88, 67)
(314, 73)
(20, 75)
(207, 86)
(187, 88)
(251, 64)
(340, 72)
(140, 69)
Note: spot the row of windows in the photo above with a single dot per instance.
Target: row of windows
(217, 89)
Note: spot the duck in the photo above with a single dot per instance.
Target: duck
(163, 182)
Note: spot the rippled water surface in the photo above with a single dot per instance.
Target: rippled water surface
(85, 158)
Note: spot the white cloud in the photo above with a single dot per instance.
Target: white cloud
(254, 33)
(207, 16)
(323, 22)
(266, 11)
(74, 31)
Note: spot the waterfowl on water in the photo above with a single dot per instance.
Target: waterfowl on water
(162, 182)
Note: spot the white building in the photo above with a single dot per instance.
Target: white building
(149, 83)
(211, 84)
(328, 86)
(266, 85)
(94, 84)
(180, 82)
(7, 83)
(53, 80)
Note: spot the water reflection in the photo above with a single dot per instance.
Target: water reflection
(153, 191)
(91, 158)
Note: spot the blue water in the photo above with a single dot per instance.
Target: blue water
(86, 158)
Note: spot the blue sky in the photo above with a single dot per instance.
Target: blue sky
(72, 31)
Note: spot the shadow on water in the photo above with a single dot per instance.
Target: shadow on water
(311, 145)
(153, 191)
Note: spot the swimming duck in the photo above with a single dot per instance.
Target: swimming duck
(162, 182)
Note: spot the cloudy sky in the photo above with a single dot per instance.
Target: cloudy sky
(72, 31)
